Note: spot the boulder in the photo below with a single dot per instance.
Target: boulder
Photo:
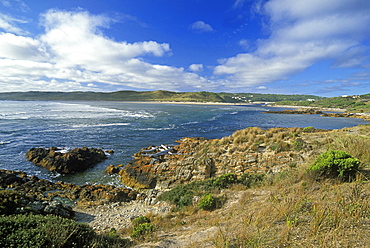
(76, 160)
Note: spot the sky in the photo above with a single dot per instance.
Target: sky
(241, 46)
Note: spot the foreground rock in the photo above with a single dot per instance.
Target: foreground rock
(13, 202)
(44, 190)
(76, 160)
(252, 150)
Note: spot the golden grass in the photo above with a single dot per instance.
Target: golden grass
(292, 208)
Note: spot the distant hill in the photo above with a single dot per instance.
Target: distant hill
(355, 103)
(159, 95)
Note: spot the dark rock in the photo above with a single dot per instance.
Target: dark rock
(76, 160)
(308, 111)
(35, 190)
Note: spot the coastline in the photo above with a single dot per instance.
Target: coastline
(189, 103)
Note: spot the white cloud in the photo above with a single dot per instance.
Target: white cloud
(301, 34)
(17, 4)
(201, 26)
(262, 87)
(20, 47)
(74, 52)
(75, 39)
(196, 67)
(9, 24)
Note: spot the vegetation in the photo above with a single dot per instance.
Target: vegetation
(351, 103)
(336, 164)
(141, 227)
(207, 202)
(158, 95)
(293, 208)
(51, 231)
(183, 195)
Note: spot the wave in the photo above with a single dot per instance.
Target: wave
(4, 142)
(100, 125)
(55, 110)
(156, 128)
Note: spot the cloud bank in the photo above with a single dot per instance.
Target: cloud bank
(301, 33)
(74, 54)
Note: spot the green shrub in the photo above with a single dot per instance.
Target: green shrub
(298, 144)
(182, 195)
(336, 164)
(50, 231)
(224, 181)
(250, 180)
(309, 129)
(140, 220)
(207, 202)
(142, 230)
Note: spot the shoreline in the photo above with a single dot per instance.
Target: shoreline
(189, 103)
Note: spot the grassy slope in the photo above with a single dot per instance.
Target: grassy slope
(290, 209)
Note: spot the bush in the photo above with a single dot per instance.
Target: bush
(309, 129)
(182, 195)
(140, 220)
(336, 164)
(250, 180)
(142, 230)
(224, 181)
(207, 202)
(49, 231)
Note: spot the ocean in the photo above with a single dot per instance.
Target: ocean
(126, 127)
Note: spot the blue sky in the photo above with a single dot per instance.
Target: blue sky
(259, 46)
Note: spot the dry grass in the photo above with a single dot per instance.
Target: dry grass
(292, 208)
(304, 214)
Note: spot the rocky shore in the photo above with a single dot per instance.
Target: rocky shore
(39, 193)
(251, 150)
(320, 111)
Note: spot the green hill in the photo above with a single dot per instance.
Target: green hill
(159, 95)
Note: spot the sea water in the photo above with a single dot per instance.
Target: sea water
(126, 127)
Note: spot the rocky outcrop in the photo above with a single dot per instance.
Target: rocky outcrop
(76, 160)
(251, 150)
(44, 190)
(301, 111)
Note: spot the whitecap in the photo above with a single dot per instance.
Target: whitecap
(100, 125)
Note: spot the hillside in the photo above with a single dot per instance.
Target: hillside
(287, 207)
(292, 208)
(158, 96)
(359, 103)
